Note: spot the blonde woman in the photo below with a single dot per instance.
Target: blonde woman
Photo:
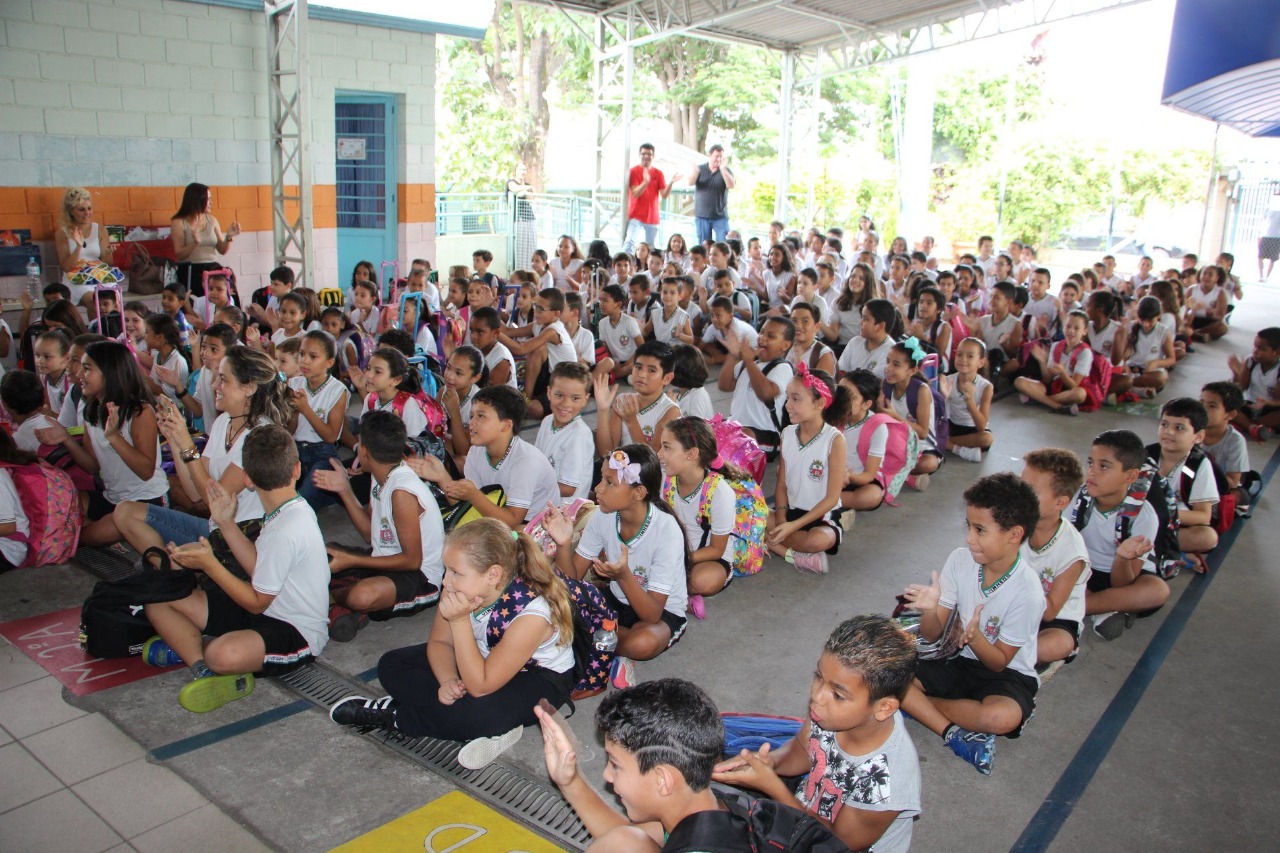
(79, 240)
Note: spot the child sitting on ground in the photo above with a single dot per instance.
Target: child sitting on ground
(1189, 473)
(969, 403)
(486, 328)
(282, 279)
(758, 377)
(1108, 338)
(23, 395)
(464, 376)
(902, 387)
(722, 326)
(403, 526)
(52, 355)
(864, 482)
(637, 417)
(989, 688)
(688, 383)
(321, 403)
(1064, 370)
(484, 668)
(668, 322)
(1227, 446)
(289, 357)
(802, 529)
(1151, 351)
(635, 543)
(860, 768)
(564, 437)
(620, 334)
(870, 347)
(269, 623)
(200, 404)
(217, 295)
(1055, 552)
(1124, 581)
(165, 344)
(550, 345)
(584, 342)
(1259, 378)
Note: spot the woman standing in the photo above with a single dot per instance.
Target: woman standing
(79, 242)
(197, 238)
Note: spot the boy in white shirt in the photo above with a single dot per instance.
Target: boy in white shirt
(758, 377)
(584, 342)
(550, 345)
(723, 323)
(1189, 473)
(870, 347)
(269, 623)
(22, 393)
(619, 332)
(564, 437)
(402, 523)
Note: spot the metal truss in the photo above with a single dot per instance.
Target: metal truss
(289, 99)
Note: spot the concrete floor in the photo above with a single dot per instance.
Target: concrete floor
(1188, 770)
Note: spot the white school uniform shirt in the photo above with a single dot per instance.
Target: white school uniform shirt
(876, 445)
(807, 466)
(1044, 309)
(414, 419)
(1200, 302)
(524, 474)
(1170, 322)
(584, 343)
(1148, 347)
(903, 408)
(71, 413)
(1099, 535)
(11, 512)
(741, 328)
(426, 341)
(684, 261)
(620, 338)
(464, 404)
(957, 409)
(1060, 553)
(560, 348)
(1137, 281)
(992, 332)
(175, 361)
(723, 513)
(798, 358)
(1011, 611)
(218, 457)
(693, 402)
(564, 275)
(204, 395)
(828, 300)
(383, 535)
(498, 354)
(367, 324)
(25, 434)
(1102, 340)
(775, 284)
(293, 565)
(649, 416)
(748, 409)
(655, 555)
(859, 355)
(1111, 282)
(332, 393)
(551, 654)
(571, 450)
(1262, 383)
(58, 391)
(119, 483)
(665, 329)
(279, 336)
(1204, 488)
(1082, 365)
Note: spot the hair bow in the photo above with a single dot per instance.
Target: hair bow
(814, 383)
(628, 471)
(913, 346)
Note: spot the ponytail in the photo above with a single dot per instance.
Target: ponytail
(532, 567)
(398, 366)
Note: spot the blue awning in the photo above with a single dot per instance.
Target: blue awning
(1224, 63)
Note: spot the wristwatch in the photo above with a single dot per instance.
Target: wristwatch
(191, 454)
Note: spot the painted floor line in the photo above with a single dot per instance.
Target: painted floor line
(1057, 807)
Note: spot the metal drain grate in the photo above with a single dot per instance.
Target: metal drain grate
(104, 564)
(534, 803)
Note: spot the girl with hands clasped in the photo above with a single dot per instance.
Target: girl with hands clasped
(635, 543)
(502, 641)
(122, 444)
(320, 400)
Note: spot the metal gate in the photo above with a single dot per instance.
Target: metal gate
(1251, 201)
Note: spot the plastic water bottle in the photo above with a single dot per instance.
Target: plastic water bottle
(33, 277)
(605, 638)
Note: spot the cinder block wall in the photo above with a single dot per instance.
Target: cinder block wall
(134, 99)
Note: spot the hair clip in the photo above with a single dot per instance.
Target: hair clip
(813, 383)
(628, 471)
(913, 345)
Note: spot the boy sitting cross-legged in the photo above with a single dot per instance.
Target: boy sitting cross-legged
(1226, 446)
(863, 775)
(1189, 473)
(989, 688)
(402, 523)
(268, 624)
(639, 416)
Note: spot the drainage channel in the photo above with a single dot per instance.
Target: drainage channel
(533, 803)
(103, 563)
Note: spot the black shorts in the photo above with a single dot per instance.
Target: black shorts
(99, 507)
(960, 429)
(1252, 412)
(1099, 581)
(1070, 626)
(965, 678)
(1201, 322)
(414, 593)
(286, 648)
(628, 618)
(1268, 248)
(793, 514)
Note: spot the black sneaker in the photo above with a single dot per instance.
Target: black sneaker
(1109, 626)
(365, 713)
(345, 623)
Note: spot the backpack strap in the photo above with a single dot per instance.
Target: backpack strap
(772, 407)
(510, 604)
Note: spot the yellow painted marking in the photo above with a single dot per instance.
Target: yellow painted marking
(454, 822)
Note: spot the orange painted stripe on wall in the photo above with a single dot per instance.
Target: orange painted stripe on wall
(37, 208)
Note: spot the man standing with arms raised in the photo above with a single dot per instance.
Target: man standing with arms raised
(712, 181)
(647, 185)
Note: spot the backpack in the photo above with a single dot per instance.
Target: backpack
(901, 451)
(941, 426)
(753, 300)
(779, 422)
(48, 498)
(751, 824)
(112, 622)
(738, 448)
(437, 417)
(590, 665)
(328, 297)
(361, 344)
(752, 731)
(1150, 488)
(1224, 511)
(750, 517)
(464, 513)
(1099, 378)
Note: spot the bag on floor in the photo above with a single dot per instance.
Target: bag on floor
(750, 517)
(48, 497)
(112, 621)
(738, 448)
(749, 824)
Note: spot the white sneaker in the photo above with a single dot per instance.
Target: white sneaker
(847, 519)
(968, 454)
(481, 752)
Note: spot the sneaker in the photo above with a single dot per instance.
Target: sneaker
(1049, 670)
(156, 652)
(1071, 410)
(816, 563)
(698, 606)
(974, 747)
(481, 752)
(1260, 433)
(919, 482)
(622, 672)
(1108, 626)
(365, 713)
(847, 519)
(214, 691)
(345, 623)
(968, 454)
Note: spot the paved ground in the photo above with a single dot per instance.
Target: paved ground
(1181, 760)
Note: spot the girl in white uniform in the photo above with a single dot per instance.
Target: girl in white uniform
(321, 402)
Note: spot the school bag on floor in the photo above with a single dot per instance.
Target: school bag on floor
(1224, 511)
(48, 497)
(738, 448)
(751, 515)
(941, 426)
(112, 621)
(1096, 383)
(751, 824)
(901, 451)
(1150, 488)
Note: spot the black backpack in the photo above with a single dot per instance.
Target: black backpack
(1190, 468)
(751, 825)
(112, 622)
(1151, 488)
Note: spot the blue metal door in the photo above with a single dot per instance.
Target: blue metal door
(366, 181)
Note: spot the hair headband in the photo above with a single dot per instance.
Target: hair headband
(628, 471)
(813, 383)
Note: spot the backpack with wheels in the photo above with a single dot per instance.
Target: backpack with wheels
(48, 497)
(112, 621)
(751, 824)
(751, 515)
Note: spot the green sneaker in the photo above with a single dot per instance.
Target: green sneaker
(214, 691)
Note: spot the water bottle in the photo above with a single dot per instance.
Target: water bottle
(605, 638)
(33, 277)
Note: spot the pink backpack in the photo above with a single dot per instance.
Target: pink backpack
(1096, 383)
(48, 497)
(433, 409)
(738, 448)
(900, 452)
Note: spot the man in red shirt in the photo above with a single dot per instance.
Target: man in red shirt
(646, 186)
